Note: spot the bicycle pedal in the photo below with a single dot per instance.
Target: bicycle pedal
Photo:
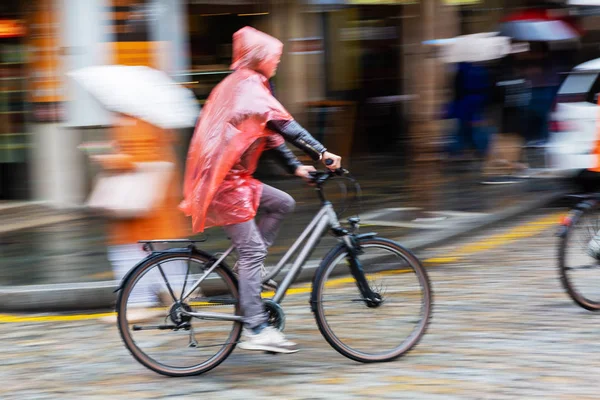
(270, 285)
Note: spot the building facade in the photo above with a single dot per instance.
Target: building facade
(353, 71)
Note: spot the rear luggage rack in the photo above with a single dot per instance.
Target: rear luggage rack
(149, 244)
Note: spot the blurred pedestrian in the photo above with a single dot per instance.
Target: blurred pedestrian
(542, 74)
(137, 141)
(513, 91)
(468, 108)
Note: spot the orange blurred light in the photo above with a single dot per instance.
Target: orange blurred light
(11, 28)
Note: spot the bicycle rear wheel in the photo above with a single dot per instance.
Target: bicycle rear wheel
(364, 332)
(579, 271)
(152, 321)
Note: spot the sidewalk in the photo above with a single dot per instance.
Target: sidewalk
(52, 260)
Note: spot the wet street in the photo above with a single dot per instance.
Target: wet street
(502, 328)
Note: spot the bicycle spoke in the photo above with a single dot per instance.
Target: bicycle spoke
(582, 244)
(167, 282)
(201, 279)
(187, 274)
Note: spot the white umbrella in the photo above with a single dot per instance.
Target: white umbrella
(539, 31)
(476, 48)
(472, 49)
(141, 92)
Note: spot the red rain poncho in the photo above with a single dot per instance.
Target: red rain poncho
(231, 135)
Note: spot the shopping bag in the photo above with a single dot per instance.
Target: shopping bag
(131, 194)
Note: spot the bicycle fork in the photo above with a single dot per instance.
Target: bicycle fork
(371, 298)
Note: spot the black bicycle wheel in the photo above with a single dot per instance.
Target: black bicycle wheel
(373, 334)
(164, 340)
(578, 267)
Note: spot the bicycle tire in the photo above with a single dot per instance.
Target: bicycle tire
(568, 285)
(146, 360)
(319, 284)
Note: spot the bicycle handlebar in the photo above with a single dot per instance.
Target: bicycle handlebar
(320, 177)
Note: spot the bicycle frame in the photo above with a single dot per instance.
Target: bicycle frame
(325, 219)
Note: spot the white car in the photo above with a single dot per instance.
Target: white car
(574, 122)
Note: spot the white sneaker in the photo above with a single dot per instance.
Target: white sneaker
(268, 285)
(269, 339)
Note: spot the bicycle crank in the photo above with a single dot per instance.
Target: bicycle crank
(178, 313)
(276, 314)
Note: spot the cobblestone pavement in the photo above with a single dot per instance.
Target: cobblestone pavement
(502, 329)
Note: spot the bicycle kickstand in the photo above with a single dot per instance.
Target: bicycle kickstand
(193, 342)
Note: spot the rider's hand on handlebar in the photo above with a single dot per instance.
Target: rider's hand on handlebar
(303, 171)
(337, 161)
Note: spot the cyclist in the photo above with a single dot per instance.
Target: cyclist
(240, 120)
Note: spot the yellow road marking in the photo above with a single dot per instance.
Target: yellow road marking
(526, 230)
(5, 318)
(102, 275)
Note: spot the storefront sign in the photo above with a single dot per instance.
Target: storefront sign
(136, 53)
(129, 24)
(368, 33)
(11, 28)
(46, 86)
(308, 45)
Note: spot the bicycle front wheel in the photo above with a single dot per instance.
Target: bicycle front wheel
(356, 328)
(152, 319)
(579, 260)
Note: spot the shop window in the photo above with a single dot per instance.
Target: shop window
(211, 28)
(14, 139)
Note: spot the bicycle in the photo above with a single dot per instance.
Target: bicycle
(212, 285)
(578, 228)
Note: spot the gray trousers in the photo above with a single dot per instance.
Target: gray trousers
(251, 240)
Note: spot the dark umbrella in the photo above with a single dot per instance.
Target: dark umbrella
(539, 30)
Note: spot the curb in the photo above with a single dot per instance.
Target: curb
(56, 216)
(99, 295)
(444, 237)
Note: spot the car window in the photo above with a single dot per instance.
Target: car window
(578, 83)
(592, 95)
